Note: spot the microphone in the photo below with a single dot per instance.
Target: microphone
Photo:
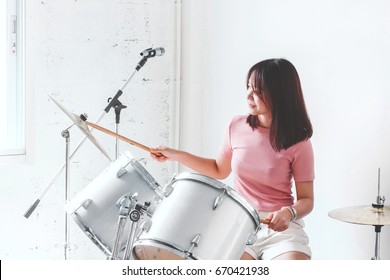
(152, 52)
(148, 53)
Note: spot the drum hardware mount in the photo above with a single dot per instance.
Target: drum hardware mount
(152, 183)
(380, 200)
(122, 171)
(134, 216)
(125, 203)
(128, 208)
(194, 243)
(168, 189)
(147, 177)
(253, 236)
(219, 200)
(145, 226)
(251, 239)
(86, 203)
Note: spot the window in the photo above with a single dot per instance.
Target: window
(12, 97)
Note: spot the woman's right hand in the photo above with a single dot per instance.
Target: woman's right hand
(162, 153)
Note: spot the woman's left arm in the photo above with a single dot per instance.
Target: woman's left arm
(279, 220)
(305, 198)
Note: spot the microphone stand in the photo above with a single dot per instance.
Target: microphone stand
(66, 135)
(118, 109)
(113, 102)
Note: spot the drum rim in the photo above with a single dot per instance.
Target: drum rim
(230, 191)
(144, 173)
(169, 247)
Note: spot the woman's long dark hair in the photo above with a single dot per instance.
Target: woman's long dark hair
(278, 81)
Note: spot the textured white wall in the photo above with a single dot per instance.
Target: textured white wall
(341, 50)
(82, 52)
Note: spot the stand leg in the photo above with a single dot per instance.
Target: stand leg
(118, 108)
(377, 242)
(66, 135)
(116, 248)
(126, 202)
(116, 141)
(135, 215)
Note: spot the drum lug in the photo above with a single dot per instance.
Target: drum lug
(145, 227)
(168, 189)
(219, 200)
(194, 243)
(127, 201)
(86, 203)
(251, 239)
(253, 236)
(121, 172)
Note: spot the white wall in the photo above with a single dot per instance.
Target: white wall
(341, 50)
(82, 52)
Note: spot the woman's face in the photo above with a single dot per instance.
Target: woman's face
(255, 99)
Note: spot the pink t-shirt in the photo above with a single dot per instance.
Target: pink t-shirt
(262, 175)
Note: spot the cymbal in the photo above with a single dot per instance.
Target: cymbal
(81, 125)
(363, 215)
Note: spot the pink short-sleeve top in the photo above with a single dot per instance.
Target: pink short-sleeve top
(261, 174)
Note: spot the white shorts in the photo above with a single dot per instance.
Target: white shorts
(271, 244)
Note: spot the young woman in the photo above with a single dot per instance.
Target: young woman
(269, 151)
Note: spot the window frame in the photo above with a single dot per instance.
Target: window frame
(16, 80)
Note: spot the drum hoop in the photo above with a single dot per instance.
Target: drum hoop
(230, 191)
(169, 247)
(153, 184)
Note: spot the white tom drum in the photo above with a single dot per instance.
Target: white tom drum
(201, 219)
(96, 207)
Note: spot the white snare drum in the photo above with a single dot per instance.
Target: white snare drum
(201, 219)
(96, 208)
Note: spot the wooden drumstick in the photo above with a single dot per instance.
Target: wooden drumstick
(120, 137)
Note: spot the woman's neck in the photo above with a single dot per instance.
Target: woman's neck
(264, 121)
